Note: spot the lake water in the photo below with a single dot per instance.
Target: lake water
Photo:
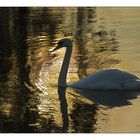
(103, 38)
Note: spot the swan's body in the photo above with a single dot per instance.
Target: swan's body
(102, 80)
(108, 80)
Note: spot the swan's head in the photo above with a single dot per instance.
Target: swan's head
(66, 42)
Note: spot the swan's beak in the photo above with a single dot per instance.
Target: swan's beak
(56, 48)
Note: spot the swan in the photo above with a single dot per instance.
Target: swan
(110, 79)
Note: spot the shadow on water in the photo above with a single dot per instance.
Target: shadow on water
(18, 104)
(8, 87)
(110, 98)
(14, 113)
(64, 108)
(84, 115)
(81, 111)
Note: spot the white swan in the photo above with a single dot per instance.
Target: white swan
(109, 79)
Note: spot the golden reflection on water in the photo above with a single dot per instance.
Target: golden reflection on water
(97, 45)
(103, 38)
(6, 107)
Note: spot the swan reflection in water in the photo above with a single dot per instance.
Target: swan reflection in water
(107, 98)
(64, 108)
(110, 98)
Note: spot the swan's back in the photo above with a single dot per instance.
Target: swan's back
(108, 79)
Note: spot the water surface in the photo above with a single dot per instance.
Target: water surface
(30, 100)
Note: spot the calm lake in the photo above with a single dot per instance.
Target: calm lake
(103, 38)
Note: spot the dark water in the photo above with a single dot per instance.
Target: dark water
(29, 98)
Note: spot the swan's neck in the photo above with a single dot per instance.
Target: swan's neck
(64, 67)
